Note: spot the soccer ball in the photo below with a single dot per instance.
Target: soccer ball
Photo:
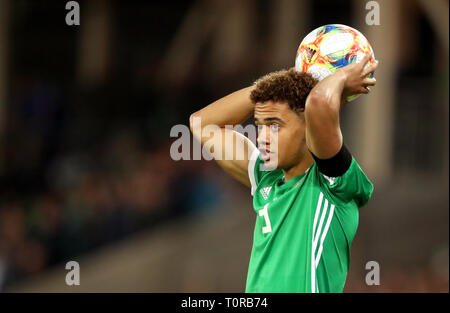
(330, 47)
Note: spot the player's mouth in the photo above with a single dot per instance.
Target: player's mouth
(265, 154)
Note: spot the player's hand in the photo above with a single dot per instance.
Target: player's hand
(355, 77)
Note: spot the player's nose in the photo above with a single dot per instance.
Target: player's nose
(263, 138)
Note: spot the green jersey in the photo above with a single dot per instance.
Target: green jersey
(304, 228)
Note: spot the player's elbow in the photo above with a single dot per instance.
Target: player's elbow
(316, 98)
(193, 120)
(196, 127)
(315, 102)
(318, 103)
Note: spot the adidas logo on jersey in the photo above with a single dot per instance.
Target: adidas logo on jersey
(265, 192)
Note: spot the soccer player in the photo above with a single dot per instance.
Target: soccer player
(306, 186)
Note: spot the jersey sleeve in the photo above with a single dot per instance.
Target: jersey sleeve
(255, 170)
(353, 184)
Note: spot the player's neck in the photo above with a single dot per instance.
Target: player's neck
(298, 169)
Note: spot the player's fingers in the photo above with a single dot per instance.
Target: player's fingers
(365, 59)
(369, 82)
(371, 68)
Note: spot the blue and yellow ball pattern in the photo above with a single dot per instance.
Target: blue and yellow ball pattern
(330, 47)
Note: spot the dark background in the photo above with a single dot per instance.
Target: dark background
(85, 117)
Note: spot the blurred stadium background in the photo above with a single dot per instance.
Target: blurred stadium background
(85, 117)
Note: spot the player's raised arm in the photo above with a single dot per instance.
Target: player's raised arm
(230, 110)
(323, 133)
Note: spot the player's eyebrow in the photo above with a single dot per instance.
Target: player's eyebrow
(267, 120)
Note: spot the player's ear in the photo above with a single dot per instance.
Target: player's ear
(301, 114)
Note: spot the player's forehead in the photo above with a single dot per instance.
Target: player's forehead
(268, 111)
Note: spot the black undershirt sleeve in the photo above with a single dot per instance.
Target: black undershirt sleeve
(336, 165)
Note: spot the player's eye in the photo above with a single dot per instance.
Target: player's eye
(274, 127)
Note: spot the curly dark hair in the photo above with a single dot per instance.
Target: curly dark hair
(284, 86)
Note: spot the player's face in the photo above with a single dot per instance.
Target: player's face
(281, 134)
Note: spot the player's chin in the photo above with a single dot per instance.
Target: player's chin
(272, 163)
